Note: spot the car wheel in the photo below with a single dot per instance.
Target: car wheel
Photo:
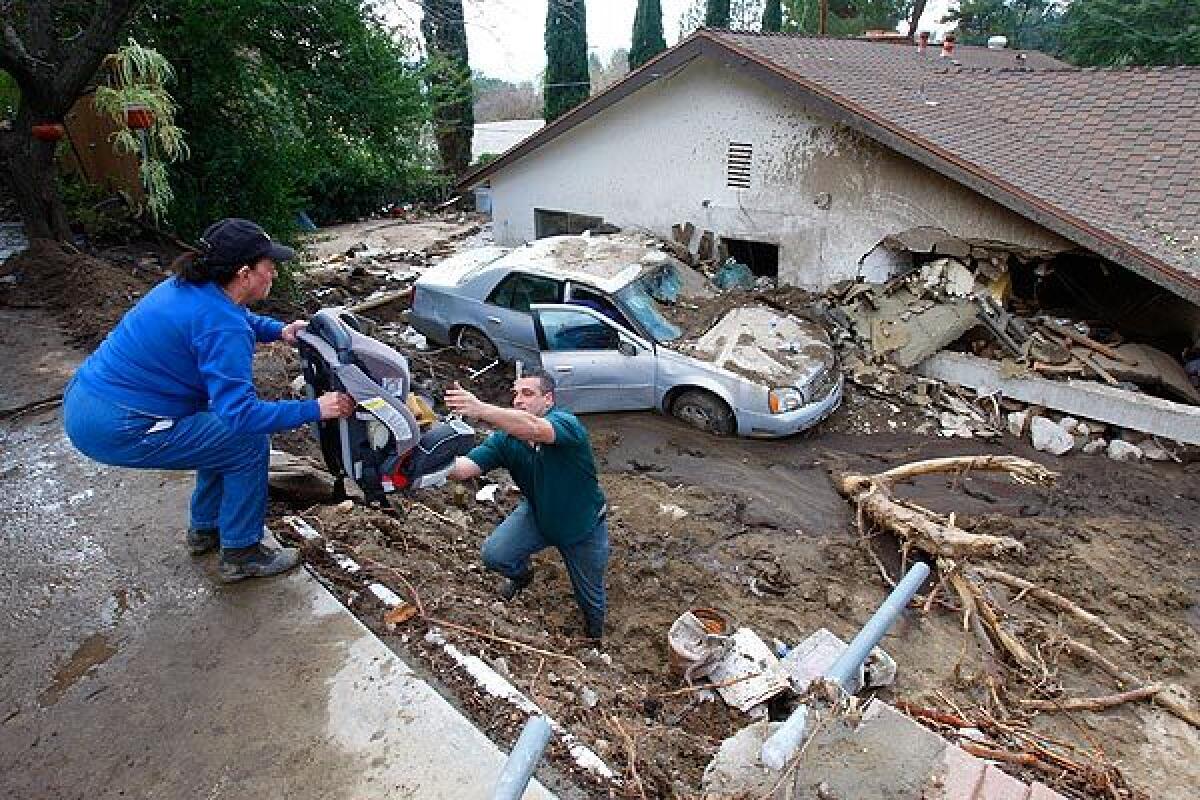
(475, 345)
(703, 410)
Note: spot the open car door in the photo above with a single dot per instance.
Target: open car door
(597, 364)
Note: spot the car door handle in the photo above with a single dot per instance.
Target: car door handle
(494, 320)
(564, 368)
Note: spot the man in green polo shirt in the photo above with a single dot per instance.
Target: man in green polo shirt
(547, 452)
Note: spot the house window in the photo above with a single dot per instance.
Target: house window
(761, 257)
(557, 223)
(737, 165)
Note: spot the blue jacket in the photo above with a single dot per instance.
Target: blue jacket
(186, 348)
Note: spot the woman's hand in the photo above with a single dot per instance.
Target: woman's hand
(291, 329)
(336, 405)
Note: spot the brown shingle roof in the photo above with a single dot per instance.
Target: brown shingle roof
(1108, 158)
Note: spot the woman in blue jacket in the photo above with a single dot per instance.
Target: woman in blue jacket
(171, 387)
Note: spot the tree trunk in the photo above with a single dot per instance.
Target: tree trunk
(27, 166)
(918, 10)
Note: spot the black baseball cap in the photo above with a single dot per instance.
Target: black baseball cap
(234, 241)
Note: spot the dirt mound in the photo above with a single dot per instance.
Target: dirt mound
(89, 294)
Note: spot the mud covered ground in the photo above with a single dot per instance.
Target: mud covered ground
(756, 528)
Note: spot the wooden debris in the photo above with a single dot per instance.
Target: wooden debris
(299, 477)
(1090, 343)
(1093, 703)
(1051, 599)
(381, 300)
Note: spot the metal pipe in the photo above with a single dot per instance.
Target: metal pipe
(782, 745)
(525, 755)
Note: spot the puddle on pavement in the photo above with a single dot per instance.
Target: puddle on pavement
(95, 650)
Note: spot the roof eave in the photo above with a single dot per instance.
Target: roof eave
(663, 64)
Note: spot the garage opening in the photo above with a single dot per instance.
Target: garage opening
(559, 223)
(761, 257)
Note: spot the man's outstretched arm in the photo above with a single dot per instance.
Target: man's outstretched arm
(521, 424)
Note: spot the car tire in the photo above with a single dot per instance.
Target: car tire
(704, 411)
(475, 345)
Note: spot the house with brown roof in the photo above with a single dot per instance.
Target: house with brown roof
(820, 159)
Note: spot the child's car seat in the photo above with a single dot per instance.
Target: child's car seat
(382, 447)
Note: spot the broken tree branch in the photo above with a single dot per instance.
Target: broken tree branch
(1094, 703)
(1051, 599)
(381, 300)
(930, 535)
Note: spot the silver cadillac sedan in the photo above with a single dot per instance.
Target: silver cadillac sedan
(596, 312)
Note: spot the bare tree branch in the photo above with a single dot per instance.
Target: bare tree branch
(89, 50)
(14, 58)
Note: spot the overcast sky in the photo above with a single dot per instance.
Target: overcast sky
(505, 36)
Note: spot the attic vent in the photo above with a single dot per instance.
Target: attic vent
(737, 165)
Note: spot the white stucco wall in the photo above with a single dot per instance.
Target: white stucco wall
(658, 157)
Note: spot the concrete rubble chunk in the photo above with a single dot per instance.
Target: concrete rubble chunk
(1016, 422)
(1049, 437)
(1095, 446)
(1081, 399)
(1153, 451)
(1121, 450)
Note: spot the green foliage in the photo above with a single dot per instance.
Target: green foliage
(772, 19)
(103, 216)
(716, 14)
(287, 111)
(1027, 24)
(845, 18)
(448, 76)
(1132, 32)
(567, 81)
(137, 77)
(648, 38)
(10, 96)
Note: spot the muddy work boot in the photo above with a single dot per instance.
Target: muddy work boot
(255, 561)
(511, 587)
(203, 540)
(594, 629)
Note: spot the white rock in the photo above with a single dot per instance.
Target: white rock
(671, 510)
(1068, 424)
(1120, 450)
(1049, 437)
(1081, 429)
(1153, 451)
(588, 697)
(1016, 421)
(1095, 446)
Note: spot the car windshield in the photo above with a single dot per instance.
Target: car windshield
(637, 300)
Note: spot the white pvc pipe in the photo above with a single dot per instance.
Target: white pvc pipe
(778, 750)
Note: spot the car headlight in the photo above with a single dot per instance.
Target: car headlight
(785, 399)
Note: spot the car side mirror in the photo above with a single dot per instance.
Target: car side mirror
(626, 348)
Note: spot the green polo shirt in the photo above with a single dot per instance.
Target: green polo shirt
(558, 480)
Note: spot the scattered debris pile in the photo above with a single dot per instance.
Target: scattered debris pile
(900, 337)
(1023, 666)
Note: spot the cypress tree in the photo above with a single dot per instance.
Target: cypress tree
(772, 21)
(449, 76)
(567, 80)
(716, 14)
(647, 33)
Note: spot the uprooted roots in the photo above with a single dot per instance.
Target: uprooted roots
(1006, 656)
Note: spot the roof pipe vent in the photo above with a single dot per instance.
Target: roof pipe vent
(922, 41)
(997, 42)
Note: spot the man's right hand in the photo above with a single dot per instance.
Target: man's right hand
(336, 405)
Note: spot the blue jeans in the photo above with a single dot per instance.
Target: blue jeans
(508, 548)
(231, 469)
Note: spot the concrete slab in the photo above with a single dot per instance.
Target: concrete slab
(128, 671)
(1085, 399)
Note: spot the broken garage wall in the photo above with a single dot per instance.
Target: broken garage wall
(824, 194)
